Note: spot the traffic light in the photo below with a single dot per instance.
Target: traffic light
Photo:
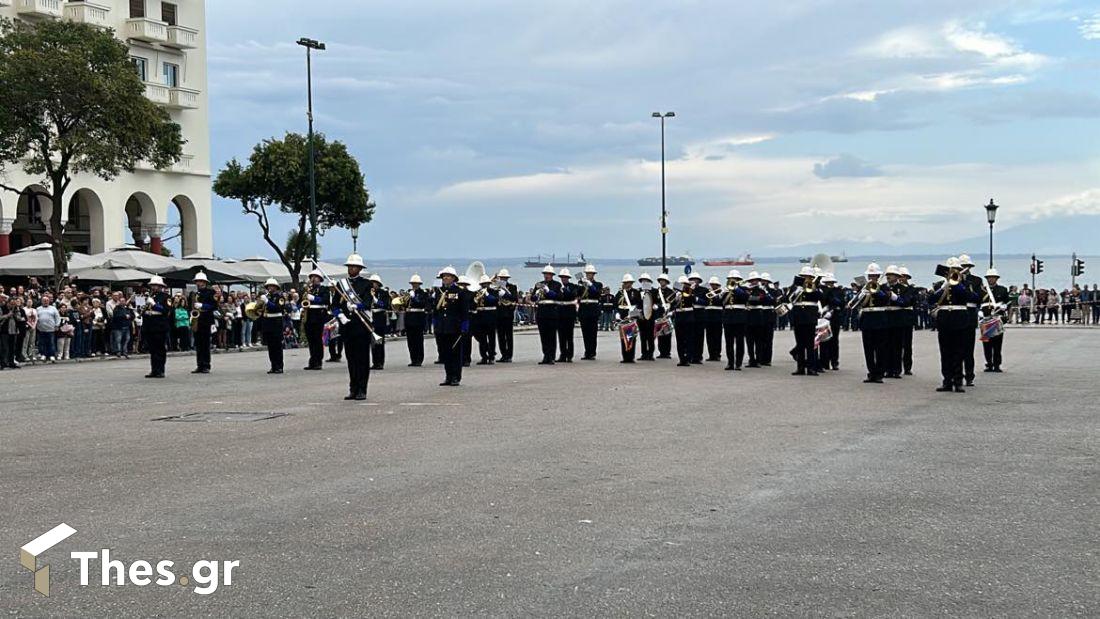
(1078, 267)
(1036, 265)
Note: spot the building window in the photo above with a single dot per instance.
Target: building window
(172, 75)
(137, 8)
(142, 67)
(168, 13)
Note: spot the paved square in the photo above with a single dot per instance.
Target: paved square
(584, 489)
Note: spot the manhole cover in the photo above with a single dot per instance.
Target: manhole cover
(223, 416)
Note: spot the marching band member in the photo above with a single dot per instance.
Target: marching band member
(950, 301)
(829, 354)
(805, 310)
(354, 329)
(485, 321)
(712, 319)
(155, 325)
(628, 303)
(874, 323)
(894, 319)
(316, 315)
(665, 294)
(757, 304)
(506, 315)
(990, 308)
(646, 335)
(589, 311)
(966, 265)
(735, 318)
(767, 334)
(908, 296)
(271, 325)
(379, 312)
(466, 347)
(545, 294)
(567, 315)
(684, 321)
(699, 329)
(449, 322)
(416, 320)
(205, 302)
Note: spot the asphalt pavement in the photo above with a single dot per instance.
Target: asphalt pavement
(589, 489)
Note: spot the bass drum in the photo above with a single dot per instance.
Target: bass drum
(647, 305)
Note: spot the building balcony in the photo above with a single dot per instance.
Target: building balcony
(158, 93)
(38, 8)
(183, 166)
(91, 13)
(183, 98)
(182, 37)
(145, 29)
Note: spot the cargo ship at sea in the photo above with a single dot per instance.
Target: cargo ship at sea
(541, 261)
(744, 260)
(669, 260)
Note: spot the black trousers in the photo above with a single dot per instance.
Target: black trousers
(589, 327)
(970, 336)
(874, 352)
(753, 338)
(448, 346)
(565, 337)
(466, 347)
(7, 350)
(505, 337)
(992, 350)
(906, 341)
(664, 346)
(891, 347)
(273, 339)
(767, 337)
(829, 352)
(646, 338)
(315, 328)
(714, 340)
(335, 348)
(414, 337)
(952, 343)
(378, 354)
(202, 342)
(548, 336)
(358, 349)
(685, 340)
(157, 343)
(804, 352)
(735, 344)
(487, 341)
(699, 335)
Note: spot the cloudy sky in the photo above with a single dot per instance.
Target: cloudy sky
(501, 128)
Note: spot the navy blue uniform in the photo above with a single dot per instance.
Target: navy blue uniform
(315, 318)
(805, 311)
(356, 335)
(450, 319)
(952, 317)
(271, 328)
(735, 319)
(506, 321)
(589, 314)
(207, 299)
(567, 320)
(486, 302)
(627, 303)
(416, 321)
(546, 295)
(683, 318)
(380, 317)
(155, 325)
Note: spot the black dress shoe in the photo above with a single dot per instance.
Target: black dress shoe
(360, 396)
(350, 396)
(945, 389)
(959, 389)
(998, 371)
(546, 362)
(730, 368)
(154, 375)
(664, 356)
(970, 382)
(377, 368)
(312, 367)
(812, 373)
(767, 365)
(414, 365)
(274, 371)
(872, 380)
(683, 364)
(465, 364)
(753, 365)
(483, 362)
(334, 360)
(798, 373)
(627, 361)
(907, 372)
(439, 363)
(200, 371)
(509, 360)
(988, 369)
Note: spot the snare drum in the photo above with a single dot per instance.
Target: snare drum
(990, 328)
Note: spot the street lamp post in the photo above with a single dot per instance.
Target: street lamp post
(310, 45)
(991, 216)
(355, 239)
(664, 212)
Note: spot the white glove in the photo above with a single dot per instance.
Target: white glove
(893, 296)
(343, 319)
(312, 298)
(198, 306)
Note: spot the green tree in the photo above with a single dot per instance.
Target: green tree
(277, 175)
(71, 103)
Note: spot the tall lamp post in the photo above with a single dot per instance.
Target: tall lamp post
(664, 212)
(991, 216)
(355, 239)
(310, 45)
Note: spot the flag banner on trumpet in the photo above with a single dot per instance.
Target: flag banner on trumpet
(628, 331)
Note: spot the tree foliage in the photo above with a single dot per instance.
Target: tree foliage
(277, 175)
(72, 103)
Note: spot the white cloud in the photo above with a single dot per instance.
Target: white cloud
(1090, 28)
(1082, 203)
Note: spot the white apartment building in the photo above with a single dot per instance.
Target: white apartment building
(167, 43)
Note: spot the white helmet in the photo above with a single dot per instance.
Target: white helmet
(354, 260)
(683, 279)
(766, 277)
(733, 274)
(415, 279)
(628, 278)
(806, 270)
(953, 263)
(548, 269)
(644, 277)
(904, 271)
(200, 277)
(893, 270)
(271, 281)
(503, 273)
(463, 280)
(713, 281)
(317, 273)
(829, 278)
(964, 260)
(448, 270)
(376, 278)
(753, 275)
(992, 273)
(873, 269)
(590, 268)
(485, 279)
(564, 273)
(696, 275)
(663, 277)
(156, 280)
